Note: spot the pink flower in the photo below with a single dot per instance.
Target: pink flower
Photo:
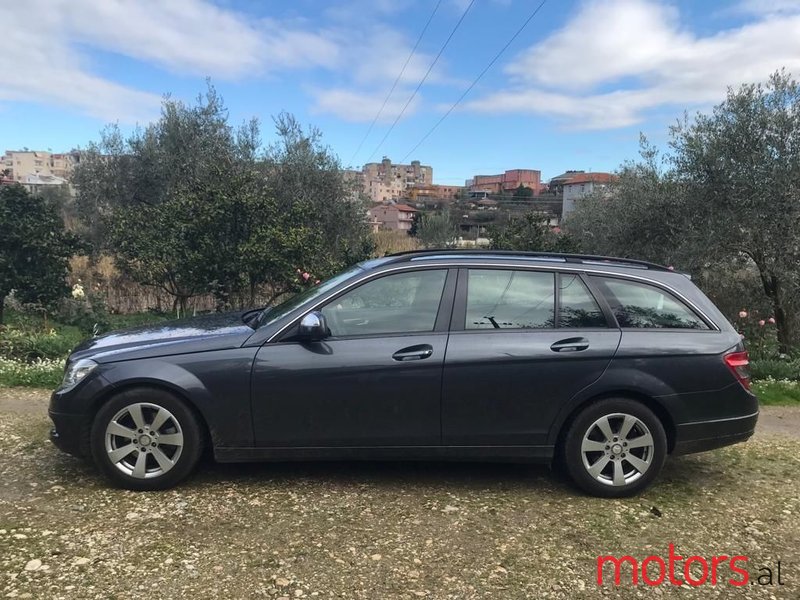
(771, 320)
(742, 314)
(671, 268)
(741, 335)
(316, 282)
(306, 276)
(761, 323)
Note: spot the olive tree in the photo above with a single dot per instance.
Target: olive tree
(727, 195)
(34, 248)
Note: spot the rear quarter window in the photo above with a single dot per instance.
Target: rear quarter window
(642, 306)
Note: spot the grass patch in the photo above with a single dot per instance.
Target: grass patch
(772, 392)
(41, 373)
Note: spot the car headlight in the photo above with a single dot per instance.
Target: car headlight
(76, 371)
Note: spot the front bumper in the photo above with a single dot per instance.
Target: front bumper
(707, 435)
(71, 411)
(70, 433)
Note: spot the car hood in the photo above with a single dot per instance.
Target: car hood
(196, 334)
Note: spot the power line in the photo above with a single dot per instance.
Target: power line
(422, 81)
(477, 79)
(396, 81)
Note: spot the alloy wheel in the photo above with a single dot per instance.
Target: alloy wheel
(144, 440)
(617, 449)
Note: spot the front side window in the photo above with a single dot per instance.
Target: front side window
(505, 299)
(577, 307)
(639, 305)
(399, 303)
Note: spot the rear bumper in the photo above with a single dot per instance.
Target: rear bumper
(707, 435)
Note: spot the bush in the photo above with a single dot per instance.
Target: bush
(775, 369)
(39, 373)
(85, 311)
(27, 345)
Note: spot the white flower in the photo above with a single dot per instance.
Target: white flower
(77, 292)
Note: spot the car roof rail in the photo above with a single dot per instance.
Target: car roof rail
(551, 256)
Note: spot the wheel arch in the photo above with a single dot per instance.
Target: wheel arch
(154, 384)
(652, 403)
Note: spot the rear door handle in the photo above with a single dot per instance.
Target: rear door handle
(413, 353)
(575, 344)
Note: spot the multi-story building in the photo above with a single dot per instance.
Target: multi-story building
(582, 184)
(506, 183)
(422, 191)
(19, 164)
(396, 217)
(385, 181)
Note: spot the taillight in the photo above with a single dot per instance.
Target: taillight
(739, 363)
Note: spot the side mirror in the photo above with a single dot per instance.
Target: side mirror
(313, 327)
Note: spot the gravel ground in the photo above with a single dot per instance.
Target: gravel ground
(383, 530)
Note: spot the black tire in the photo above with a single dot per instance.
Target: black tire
(610, 466)
(171, 449)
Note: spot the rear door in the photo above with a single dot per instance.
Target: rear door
(522, 343)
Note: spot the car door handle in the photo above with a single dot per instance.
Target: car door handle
(575, 344)
(413, 353)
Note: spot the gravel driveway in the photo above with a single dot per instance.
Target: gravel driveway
(383, 530)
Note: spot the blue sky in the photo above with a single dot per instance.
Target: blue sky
(572, 92)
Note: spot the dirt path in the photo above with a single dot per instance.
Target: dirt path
(783, 420)
(385, 531)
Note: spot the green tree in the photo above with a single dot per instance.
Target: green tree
(523, 192)
(34, 248)
(436, 230)
(728, 195)
(741, 166)
(191, 205)
(530, 232)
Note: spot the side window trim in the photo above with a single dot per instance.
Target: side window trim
(598, 296)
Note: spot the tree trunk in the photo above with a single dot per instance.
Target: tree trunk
(773, 290)
(2, 307)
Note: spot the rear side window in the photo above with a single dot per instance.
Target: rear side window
(577, 307)
(505, 299)
(638, 305)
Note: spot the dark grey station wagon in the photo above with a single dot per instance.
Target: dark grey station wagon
(602, 365)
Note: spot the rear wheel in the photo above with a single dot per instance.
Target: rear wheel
(615, 447)
(145, 439)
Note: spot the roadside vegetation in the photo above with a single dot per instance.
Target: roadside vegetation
(193, 214)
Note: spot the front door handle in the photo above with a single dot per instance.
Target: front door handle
(413, 352)
(575, 344)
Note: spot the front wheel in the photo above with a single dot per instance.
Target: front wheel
(145, 439)
(615, 448)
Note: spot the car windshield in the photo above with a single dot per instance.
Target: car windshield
(273, 313)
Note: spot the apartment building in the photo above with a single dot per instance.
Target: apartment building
(385, 181)
(396, 217)
(581, 185)
(507, 182)
(19, 164)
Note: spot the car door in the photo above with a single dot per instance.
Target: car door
(522, 343)
(376, 381)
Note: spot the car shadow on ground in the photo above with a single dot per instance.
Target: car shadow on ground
(694, 472)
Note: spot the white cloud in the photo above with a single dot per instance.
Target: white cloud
(45, 41)
(374, 60)
(640, 51)
(361, 107)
